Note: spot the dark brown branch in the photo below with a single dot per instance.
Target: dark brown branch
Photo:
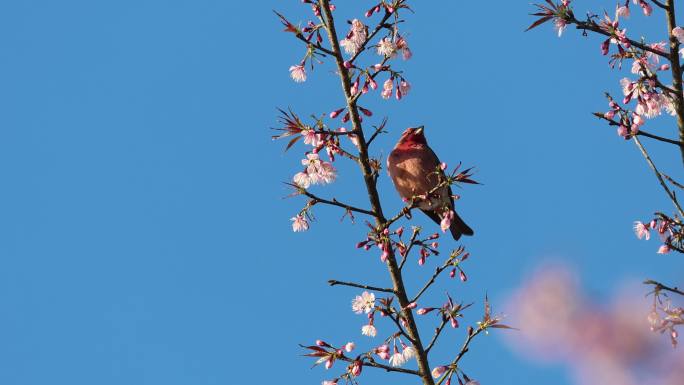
(660, 287)
(432, 279)
(466, 344)
(438, 331)
(412, 241)
(591, 26)
(371, 362)
(676, 71)
(659, 4)
(660, 138)
(371, 188)
(335, 202)
(334, 282)
(316, 46)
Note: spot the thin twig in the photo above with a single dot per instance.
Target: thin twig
(335, 202)
(432, 279)
(334, 282)
(659, 287)
(670, 194)
(412, 241)
(438, 331)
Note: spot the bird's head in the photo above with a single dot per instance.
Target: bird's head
(412, 136)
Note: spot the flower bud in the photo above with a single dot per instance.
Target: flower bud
(336, 113)
(438, 371)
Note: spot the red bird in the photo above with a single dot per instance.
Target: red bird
(412, 165)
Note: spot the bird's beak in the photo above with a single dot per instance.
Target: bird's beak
(419, 130)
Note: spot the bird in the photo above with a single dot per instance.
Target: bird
(415, 170)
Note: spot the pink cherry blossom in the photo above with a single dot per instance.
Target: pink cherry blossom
(386, 47)
(397, 359)
(663, 249)
(363, 303)
(349, 346)
(319, 171)
(678, 32)
(641, 230)
(622, 11)
(302, 180)
(355, 38)
(369, 330)
(387, 88)
(299, 223)
(298, 73)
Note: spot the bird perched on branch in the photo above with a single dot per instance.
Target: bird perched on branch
(415, 171)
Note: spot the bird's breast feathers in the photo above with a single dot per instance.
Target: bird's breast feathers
(413, 173)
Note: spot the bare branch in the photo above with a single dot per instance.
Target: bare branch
(670, 194)
(660, 287)
(334, 282)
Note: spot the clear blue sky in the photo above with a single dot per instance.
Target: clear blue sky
(143, 234)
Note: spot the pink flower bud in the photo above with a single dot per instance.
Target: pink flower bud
(322, 343)
(348, 64)
(434, 236)
(465, 256)
(622, 131)
(399, 231)
(336, 113)
(424, 310)
(462, 276)
(373, 84)
(412, 305)
(434, 245)
(438, 371)
(366, 112)
(653, 224)
(356, 368)
(452, 273)
(454, 322)
(345, 118)
(421, 261)
(664, 67)
(664, 249)
(329, 363)
(443, 166)
(605, 46)
(609, 115)
(349, 347)
(647, 8)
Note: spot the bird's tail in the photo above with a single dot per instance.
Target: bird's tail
(458, 227)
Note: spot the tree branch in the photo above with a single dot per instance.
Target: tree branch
(335, 202)
(676, 71)
(660, 287)
(371, 188)
(334, 282)
(670, 194)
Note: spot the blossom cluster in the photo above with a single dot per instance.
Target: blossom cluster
(601, 342)
(669, 230)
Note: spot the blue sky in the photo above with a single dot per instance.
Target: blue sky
(143, 234)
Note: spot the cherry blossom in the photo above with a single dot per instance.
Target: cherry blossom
(299, 223)
(641, 230)
(298, 73)
(363, 303)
